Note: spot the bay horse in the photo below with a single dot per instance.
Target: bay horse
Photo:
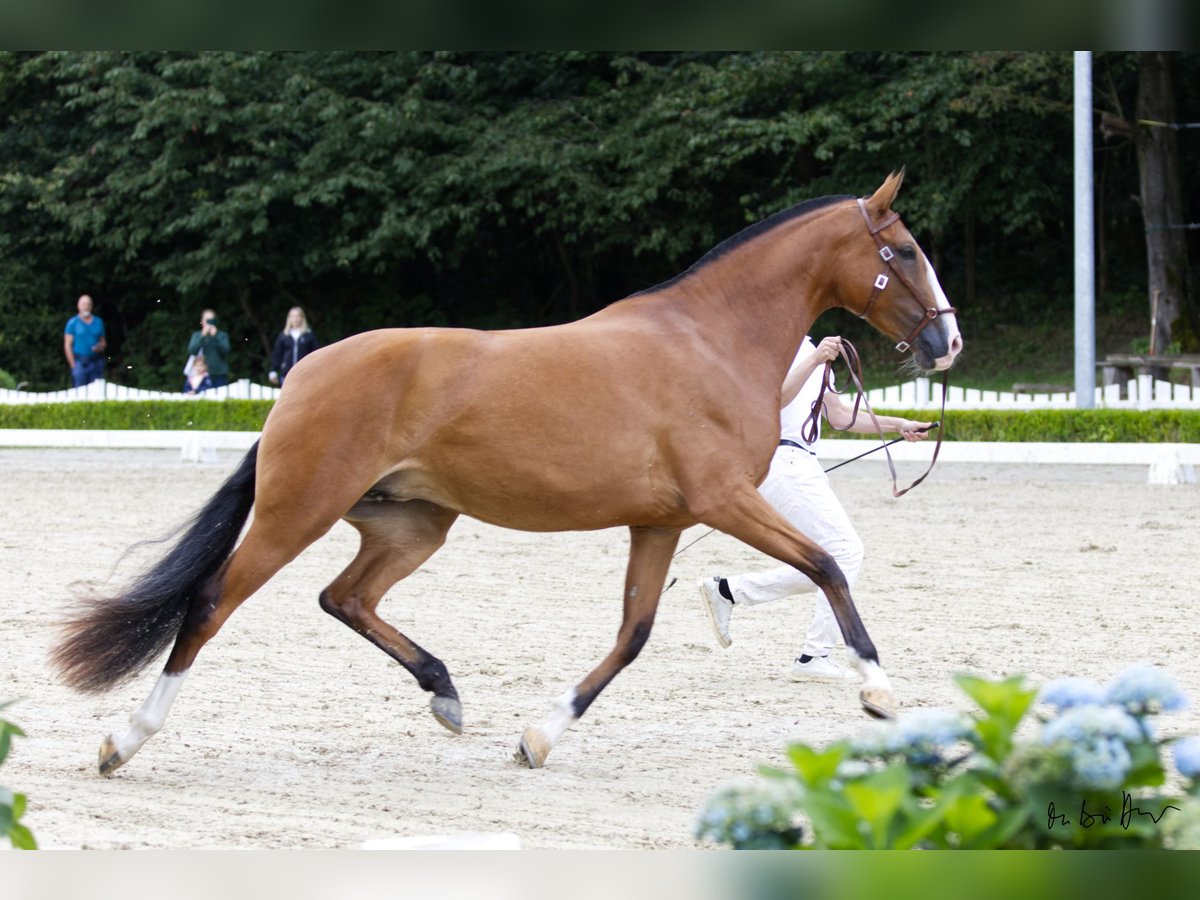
(658, 412)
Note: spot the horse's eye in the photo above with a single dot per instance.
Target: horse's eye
(907, 253)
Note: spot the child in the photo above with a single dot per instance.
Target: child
(198, 379)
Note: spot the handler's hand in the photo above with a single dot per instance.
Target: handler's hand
(909, 430)
(829, 349)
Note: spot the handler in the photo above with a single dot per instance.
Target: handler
(799, 489)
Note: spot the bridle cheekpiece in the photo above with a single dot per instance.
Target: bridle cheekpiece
(881, 280)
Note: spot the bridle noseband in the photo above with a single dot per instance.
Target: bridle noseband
(881, 280)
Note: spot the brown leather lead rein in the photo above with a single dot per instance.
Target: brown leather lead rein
(812, 425)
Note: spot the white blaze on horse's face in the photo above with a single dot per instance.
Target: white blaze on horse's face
(946, 321)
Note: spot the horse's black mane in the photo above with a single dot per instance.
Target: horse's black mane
(749, 233)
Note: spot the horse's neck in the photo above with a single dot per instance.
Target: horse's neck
(763, 297)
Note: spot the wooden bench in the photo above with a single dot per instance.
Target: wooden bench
(1118, 368)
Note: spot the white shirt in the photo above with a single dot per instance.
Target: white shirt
(793, 417)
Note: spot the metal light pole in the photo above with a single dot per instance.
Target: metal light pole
(1085, 236)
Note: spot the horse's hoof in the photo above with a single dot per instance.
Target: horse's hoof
(879, 702)
(110, 759)
(532, 750)
(448, 712)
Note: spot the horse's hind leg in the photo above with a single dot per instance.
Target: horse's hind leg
(649, 559)
(397, 537)
(262, 553)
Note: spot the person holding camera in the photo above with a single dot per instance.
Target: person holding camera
(213, 344)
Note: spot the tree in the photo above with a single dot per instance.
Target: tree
(1173, 315)
(489, 189)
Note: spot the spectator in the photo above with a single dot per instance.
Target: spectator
(212, 344)
(294, 343)
(84, 344)
(198, 378)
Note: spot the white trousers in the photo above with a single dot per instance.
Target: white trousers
(798, 488)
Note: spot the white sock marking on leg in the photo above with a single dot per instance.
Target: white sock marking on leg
(872, 673)
(149, 717)
(561, 717)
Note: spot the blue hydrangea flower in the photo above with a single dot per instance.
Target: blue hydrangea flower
(919, 735)
(1143, 689)
(1065, 693)
(1187, 756)
(1087, 723)
(1100, 764)
(1093, 740)
(752, 814)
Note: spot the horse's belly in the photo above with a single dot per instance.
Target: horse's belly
(554, 498)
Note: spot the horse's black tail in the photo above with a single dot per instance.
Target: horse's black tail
(110, 639)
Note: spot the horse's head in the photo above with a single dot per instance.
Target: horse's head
(892, 285)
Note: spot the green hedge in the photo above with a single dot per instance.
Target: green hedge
(1088, 425)
(140, 415)
(1151, 426)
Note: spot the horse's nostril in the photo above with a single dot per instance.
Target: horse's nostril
(956, 345)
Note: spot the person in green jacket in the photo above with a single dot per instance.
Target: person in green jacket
(213, 344)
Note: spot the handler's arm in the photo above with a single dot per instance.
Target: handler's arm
(826, 351)
(839, 411)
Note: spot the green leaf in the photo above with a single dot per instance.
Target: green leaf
(1005, 704)
(1008, 823)
(835, 826)
(876, 799)
(1146, 769)
(22, 838)
(970, 816)
(817, 767)
(920, 823)
(1005, 699)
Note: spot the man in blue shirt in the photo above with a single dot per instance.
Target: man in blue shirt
(84, 344)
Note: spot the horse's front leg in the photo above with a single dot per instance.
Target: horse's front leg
(649, 558)
(752, 520)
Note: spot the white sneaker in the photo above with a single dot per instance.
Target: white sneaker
(717, 607)
(820, 668)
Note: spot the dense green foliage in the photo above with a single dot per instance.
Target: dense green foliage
(140, 415)
(492, 189)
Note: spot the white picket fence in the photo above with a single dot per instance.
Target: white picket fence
(103, 390)
(1142, 392)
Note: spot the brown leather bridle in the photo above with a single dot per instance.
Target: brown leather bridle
(881, 280)
(813, 425)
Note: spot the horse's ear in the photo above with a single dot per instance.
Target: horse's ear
(881, 201)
